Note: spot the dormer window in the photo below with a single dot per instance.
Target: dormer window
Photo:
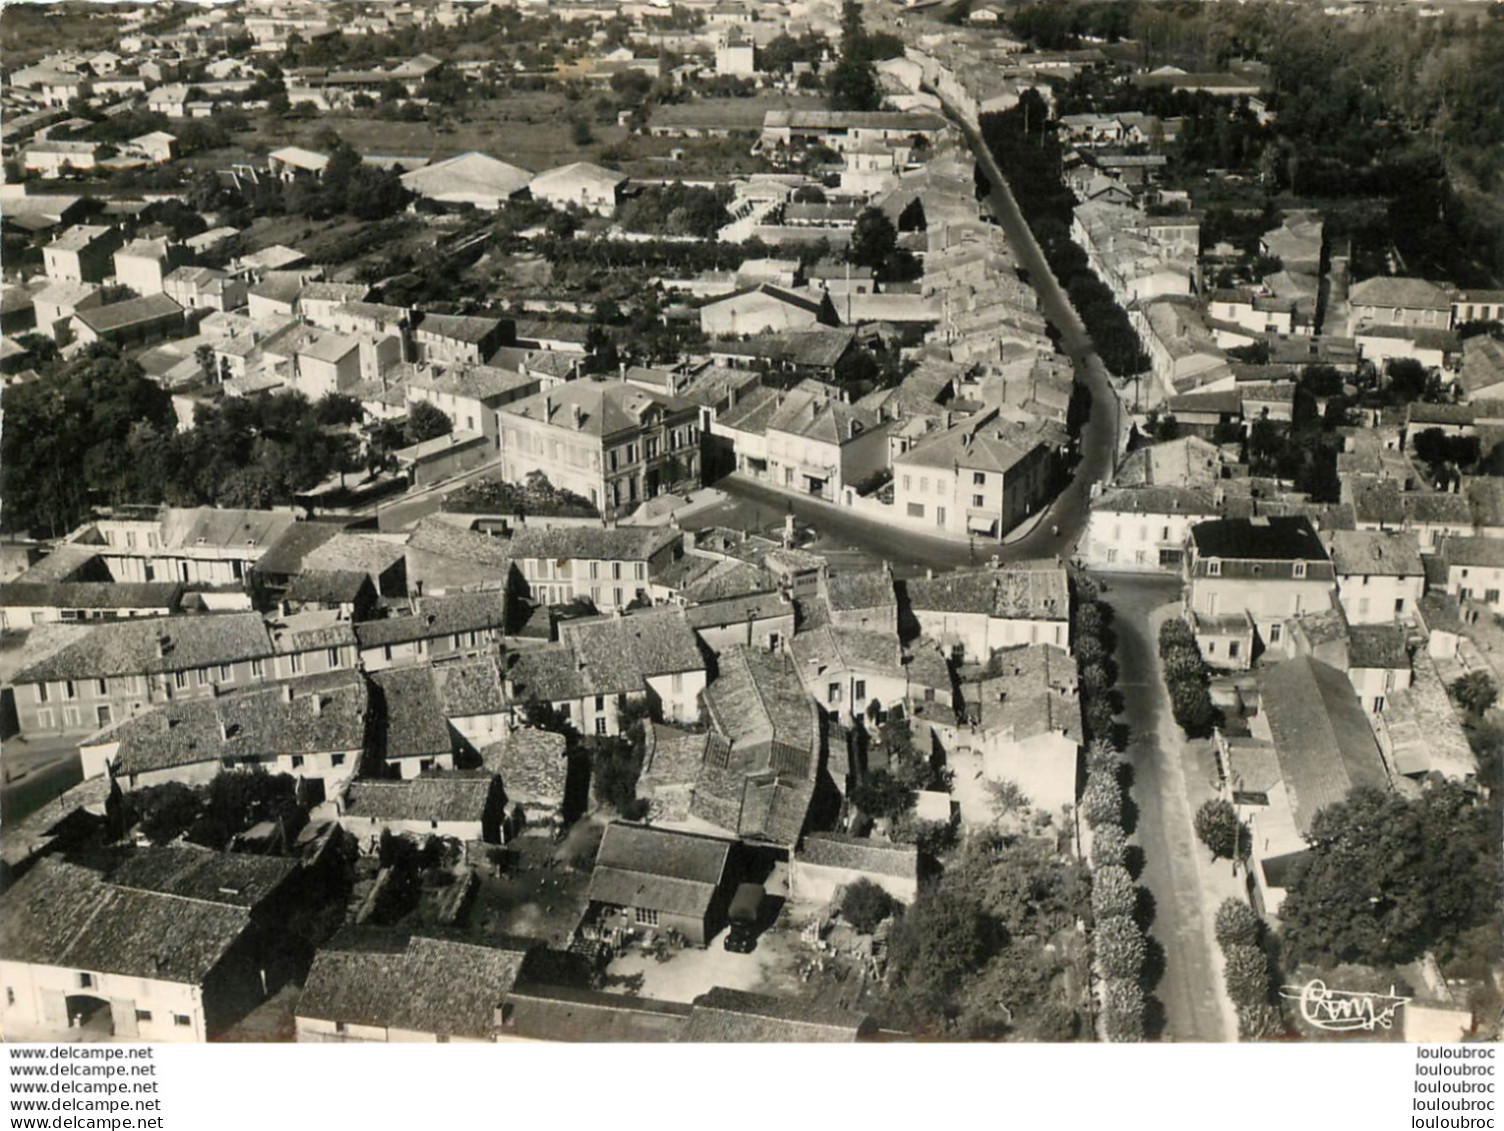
(1300, 569)
(1214, 567)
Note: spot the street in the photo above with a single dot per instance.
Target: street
(1102, 432)
(34, 774)
(1171, 777)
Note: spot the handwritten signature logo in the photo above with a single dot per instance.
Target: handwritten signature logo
(1344, 1011)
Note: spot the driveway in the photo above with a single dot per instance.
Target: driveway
(1171, 777)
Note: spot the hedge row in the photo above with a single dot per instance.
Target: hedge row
(1186, 678)
(1240, 934)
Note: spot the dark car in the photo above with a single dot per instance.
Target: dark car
(745, 915)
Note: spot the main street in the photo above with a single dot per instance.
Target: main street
(1171, 776)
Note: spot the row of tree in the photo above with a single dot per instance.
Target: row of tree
(1119, 948)
(1023, 143)
(1246, 971)
(1186, 677)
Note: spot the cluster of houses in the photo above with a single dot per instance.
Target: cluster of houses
(405, 682)
(1339, 626)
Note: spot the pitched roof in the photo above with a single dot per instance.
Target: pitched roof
(617, 543)
(757, 700)
(577, 172)
(411, 721)
(466, 175)
(1408, 294)
(1030, 690)
(860, 589)
(618, 651)
(454, 795)
(1460, 550)
(1378, 646)
(1280, 538)
(1024, 590)
(459, 327)
(605, 407)
(449, 541)
(1376, 553)
(437, 616)
(417, 984)
(347, 551)
(327, 587)
(103, 319)
(286, 551)
(320, 714)
(470, 687)
(833, 850)
(668, 871)
(532, 763)
(736, 1015)
(1321, 735)
(92, 594)
(984, 442)
(62, 914)
(155, 644)
(564, 1013)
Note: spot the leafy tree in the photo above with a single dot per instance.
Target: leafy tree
(1119, 947)
(1476, 692)
(66, 437)
(880, 794)
(1123, 1012)
(1408, 379)
(1102, 803)
(940, 941)
(1260, 1022)
(873, 239)
(864, 905)
(334, 409)
(164, 811)
(1388, 877)
(1007, 798)
(240, 799)
(1102, 758)
(1113, 893)
(1218, 828)
(425, 422)
(1109, 847)
(1237, 924)
(1193, 708)
(1175, 632)
(1247, 975)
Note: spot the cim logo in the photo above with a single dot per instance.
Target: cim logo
(1344, 1011)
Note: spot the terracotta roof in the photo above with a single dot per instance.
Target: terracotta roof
(470, 687)
(455, 795)
(437, 616)
(62, 914)
(320, 714)
(868, 589)
(618, 651)
(564, 1013)
(412, 722)
(1376, 553)
(155, 644)
(1378, 646)
(673, 872)
(736, 1015)
(532, 764)
(416, 984)
(1321, 735)
(833, 850)
(1029, 691)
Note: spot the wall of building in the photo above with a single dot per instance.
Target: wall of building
(1379, 600)
(1137, 542)
(817, 883)
(35, 1000)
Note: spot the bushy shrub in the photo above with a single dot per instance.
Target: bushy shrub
(1120, 948)
(1112, 890)
(1109, 847)
(864, 905)
(1123, 1010)
(1237, 924)
(1247, 975)
(1102, 804)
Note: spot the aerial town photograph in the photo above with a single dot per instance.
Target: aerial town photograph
(752, 521)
